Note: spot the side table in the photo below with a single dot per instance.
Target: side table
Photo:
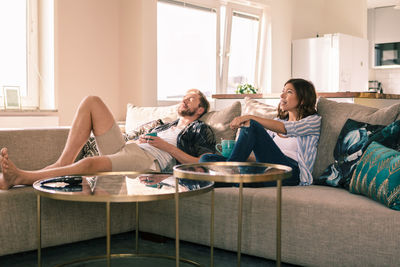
(238, 172)
(117, 187)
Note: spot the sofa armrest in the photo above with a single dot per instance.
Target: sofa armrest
(33, 149)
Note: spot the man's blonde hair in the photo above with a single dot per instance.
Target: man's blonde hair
(203, 100)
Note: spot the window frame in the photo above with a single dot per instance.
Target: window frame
(31, 100)
(230, 9)
(222, 49)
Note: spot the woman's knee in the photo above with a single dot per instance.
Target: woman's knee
(211, 158)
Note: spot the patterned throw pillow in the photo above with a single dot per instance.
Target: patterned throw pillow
(90, 148)
(377, 175)
(143, 129)
(352, 141)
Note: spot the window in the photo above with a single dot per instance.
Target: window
(206, 45)
(19, 50)
(241, 47)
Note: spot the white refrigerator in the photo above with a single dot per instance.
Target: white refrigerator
(334, 63)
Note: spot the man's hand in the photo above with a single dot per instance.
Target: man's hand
(156, 142)
(175, 152)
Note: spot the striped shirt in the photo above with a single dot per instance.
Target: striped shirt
(306, 131)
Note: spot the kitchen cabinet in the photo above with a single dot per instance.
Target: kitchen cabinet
(334, 62)
(384, 34)
(386, 25)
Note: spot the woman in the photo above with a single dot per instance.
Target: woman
(291, 139)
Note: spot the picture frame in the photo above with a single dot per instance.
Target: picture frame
(12, 97)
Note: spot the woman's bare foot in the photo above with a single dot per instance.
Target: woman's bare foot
(10, 173)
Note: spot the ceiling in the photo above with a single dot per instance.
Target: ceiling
(381, 3)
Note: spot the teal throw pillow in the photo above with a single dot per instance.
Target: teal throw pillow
(377, 175)
(353, 140)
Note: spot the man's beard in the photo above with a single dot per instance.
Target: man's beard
(187, 112)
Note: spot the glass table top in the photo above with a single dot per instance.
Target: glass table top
(233, 172)
(119, 187)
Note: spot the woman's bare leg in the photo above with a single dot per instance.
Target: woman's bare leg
(11, 175)
(92, 115)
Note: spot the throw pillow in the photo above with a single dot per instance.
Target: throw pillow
(137, 116)
(89, 149)
(352, 141)
(219, 121)
(377, 175)
(334, 116)
(259, 109)
(256, 108)
(143, 129)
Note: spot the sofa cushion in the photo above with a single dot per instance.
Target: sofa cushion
(219, 121)
(377, 175)
(334, 115)
(136, 116)
(353, 139)
(256, 108)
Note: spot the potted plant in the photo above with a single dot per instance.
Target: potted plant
(246, 89)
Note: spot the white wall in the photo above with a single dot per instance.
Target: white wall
(138, 52)
(298, 19)
(109, 47)
(86, 54)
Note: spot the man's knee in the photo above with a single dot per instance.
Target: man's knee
(95, 164)
(91, 101)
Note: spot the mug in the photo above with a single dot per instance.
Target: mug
(225, 148)
(151, 134)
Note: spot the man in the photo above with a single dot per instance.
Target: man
(184, 141)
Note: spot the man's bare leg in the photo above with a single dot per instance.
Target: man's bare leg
(92, 115)
(11, 175)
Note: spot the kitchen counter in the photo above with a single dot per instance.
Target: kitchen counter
(363, 98)
(327, 95)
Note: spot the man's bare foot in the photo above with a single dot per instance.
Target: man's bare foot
(10, 173)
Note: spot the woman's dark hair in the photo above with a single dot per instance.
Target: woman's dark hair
(307, 96)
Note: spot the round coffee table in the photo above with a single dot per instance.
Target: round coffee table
(119, 187)
(238, 172)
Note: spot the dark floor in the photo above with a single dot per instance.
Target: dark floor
(124, 243)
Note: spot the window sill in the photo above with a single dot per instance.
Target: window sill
(28, 112)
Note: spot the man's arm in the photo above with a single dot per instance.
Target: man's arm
(175, 152)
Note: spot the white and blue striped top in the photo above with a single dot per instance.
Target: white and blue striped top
(306, 131)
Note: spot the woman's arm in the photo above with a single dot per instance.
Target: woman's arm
(310, 125)
(270, 124)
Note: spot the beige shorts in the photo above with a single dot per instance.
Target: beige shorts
(123, 156)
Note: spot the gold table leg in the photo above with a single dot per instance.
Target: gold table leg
(108, 234)
(212, 229)
(39, 231)
(239, 237)
(137, 228)
(177, 222)
(278, 221)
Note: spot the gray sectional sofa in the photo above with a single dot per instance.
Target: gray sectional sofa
(321, 226)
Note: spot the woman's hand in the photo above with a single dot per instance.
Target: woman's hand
(239, 122)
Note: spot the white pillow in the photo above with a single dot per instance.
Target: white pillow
(256, 108)
(136, 116)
